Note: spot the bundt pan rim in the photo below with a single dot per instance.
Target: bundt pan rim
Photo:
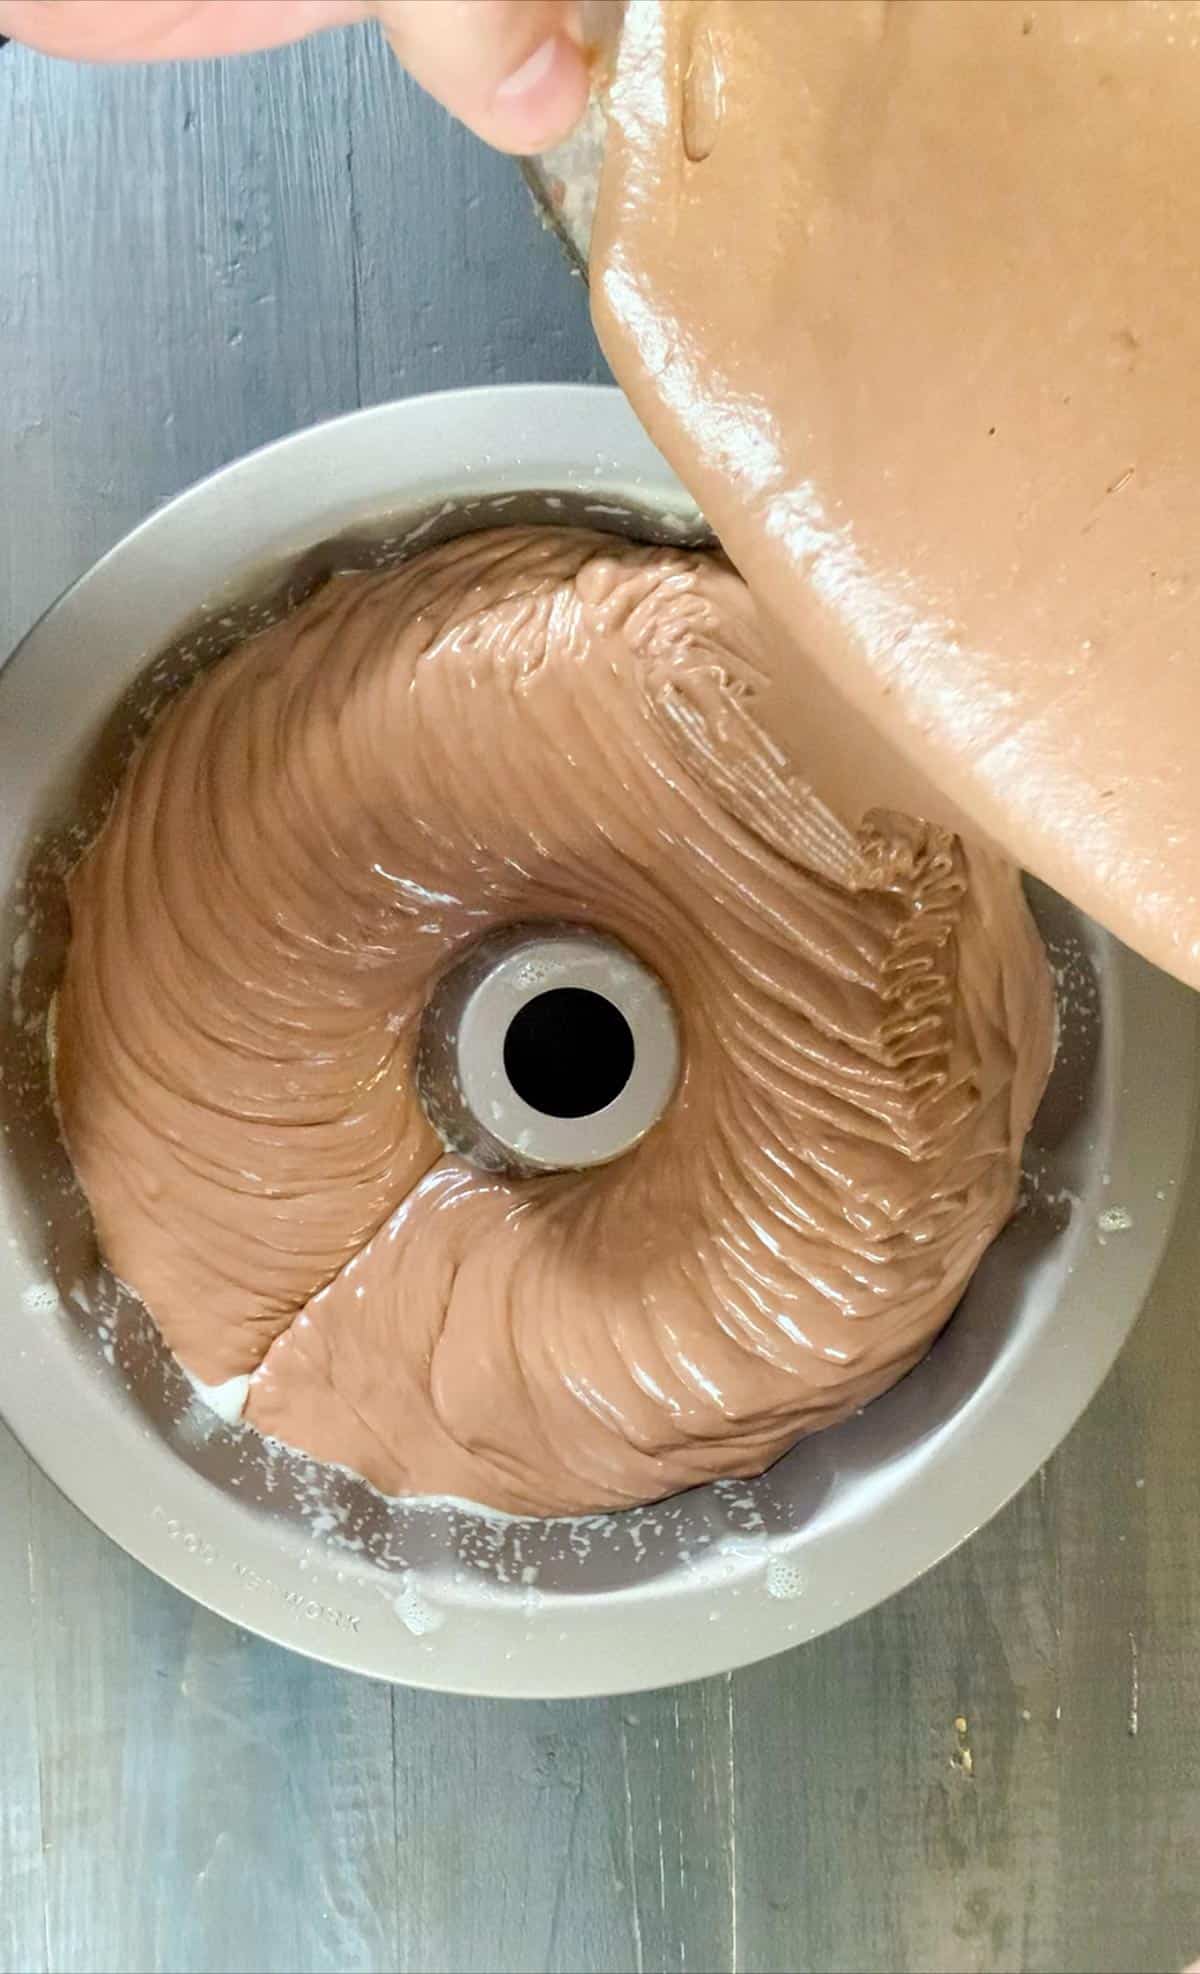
(434, 1596)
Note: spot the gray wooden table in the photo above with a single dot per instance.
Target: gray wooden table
(191, 262)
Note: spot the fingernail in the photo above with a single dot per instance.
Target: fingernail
(531, 72)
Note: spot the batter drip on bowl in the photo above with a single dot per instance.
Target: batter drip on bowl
(535, 724)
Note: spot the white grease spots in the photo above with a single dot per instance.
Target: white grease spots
(784, 1578)
(327, 1520)
(423, 527)
(39, 1298)
(414, 1610)
(1114, 1220)
(227, 1400)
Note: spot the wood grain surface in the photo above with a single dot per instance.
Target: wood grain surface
(191, 262)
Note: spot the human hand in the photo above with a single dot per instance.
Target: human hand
(513, 70)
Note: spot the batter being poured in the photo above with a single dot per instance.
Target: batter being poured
(909, 295)
(535, 725)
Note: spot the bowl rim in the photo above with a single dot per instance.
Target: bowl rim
(276, 1579)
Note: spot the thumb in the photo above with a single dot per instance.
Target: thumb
(514, 70)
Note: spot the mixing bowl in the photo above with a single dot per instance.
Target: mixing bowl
(433, 1593)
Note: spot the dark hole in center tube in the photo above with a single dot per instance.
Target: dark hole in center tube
(569, 1052)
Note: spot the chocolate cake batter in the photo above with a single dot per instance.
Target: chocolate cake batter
(535, 725)
(909, 295)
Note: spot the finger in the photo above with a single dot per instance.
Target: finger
(163, 30)
(513, 70)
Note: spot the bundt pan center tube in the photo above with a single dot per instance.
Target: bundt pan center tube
(434, 1593)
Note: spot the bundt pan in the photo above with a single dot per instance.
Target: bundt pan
(433, 1594)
